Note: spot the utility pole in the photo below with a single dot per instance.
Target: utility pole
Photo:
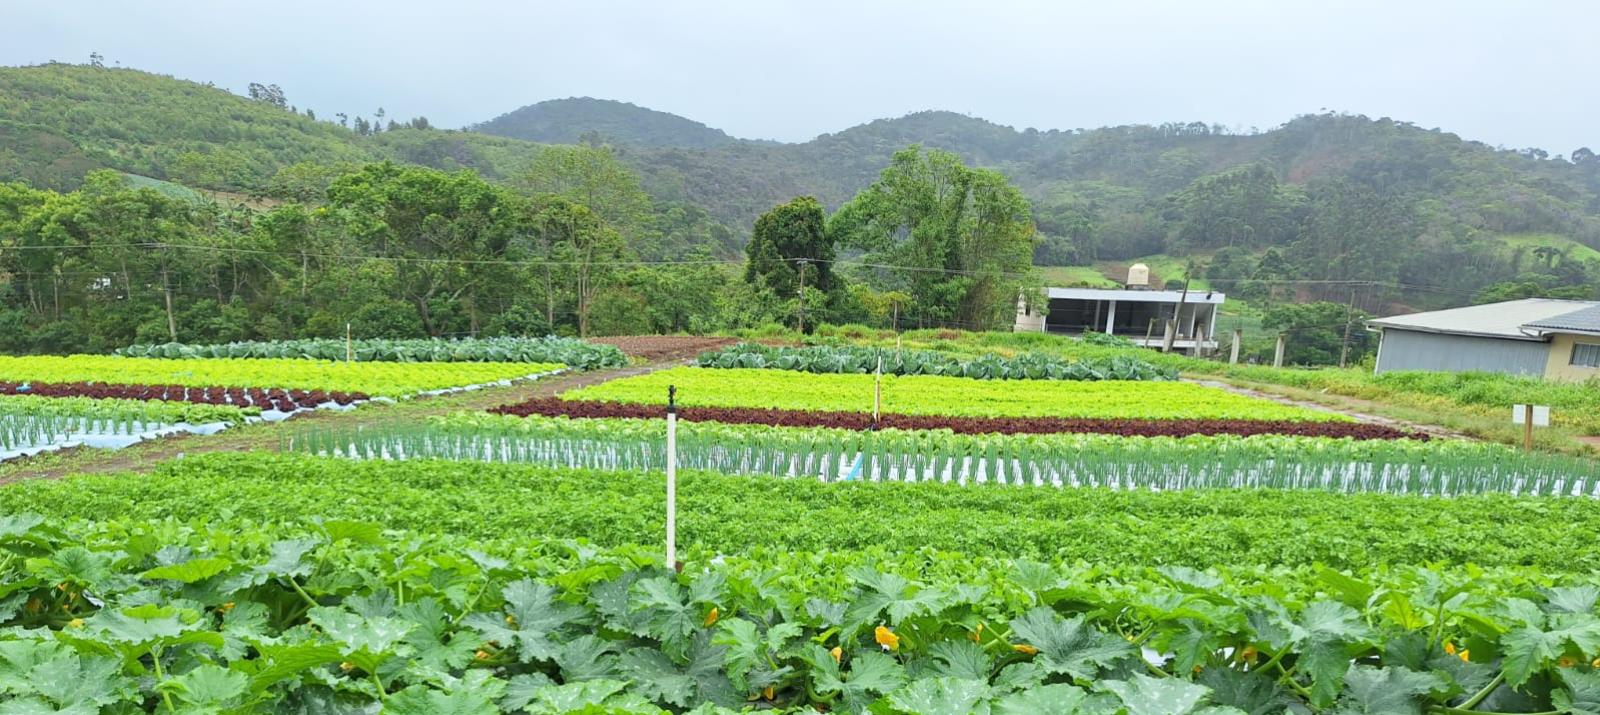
(1349, 312)
(802, 296)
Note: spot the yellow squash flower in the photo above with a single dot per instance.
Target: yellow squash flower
(1024, 649)
(976, 634)
(837, 653)
(1449, 648)
(886, 638)
(711, 618)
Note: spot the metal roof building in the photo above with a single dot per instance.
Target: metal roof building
(1535, 336)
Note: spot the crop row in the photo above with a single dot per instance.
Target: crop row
(556, 407)
(342, 617)
(854, 359)
(568, 351)
(953, 396)
(253, 398)
(386, 379)
(733, 514)
(90, 408)
(1440, 468)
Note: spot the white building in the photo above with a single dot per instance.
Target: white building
(1133, 313)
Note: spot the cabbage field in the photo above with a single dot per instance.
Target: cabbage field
(432, 531)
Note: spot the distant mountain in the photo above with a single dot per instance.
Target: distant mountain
(568, 121)
(1347, 196)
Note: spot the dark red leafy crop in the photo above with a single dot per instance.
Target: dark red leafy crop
(285, 400)
(553, 407)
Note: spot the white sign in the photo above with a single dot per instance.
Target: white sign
(1541, 415)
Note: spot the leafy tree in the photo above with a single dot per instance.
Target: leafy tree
(1315, 332)
(788, 239)
(958, 240)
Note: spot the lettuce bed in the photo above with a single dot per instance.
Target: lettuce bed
(374, 378)
(733, 514)
(935, 395)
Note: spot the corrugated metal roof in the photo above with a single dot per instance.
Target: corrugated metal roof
(1136, 296)
(1586, 320)
(1495, 320)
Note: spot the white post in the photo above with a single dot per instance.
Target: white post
(1233, 353)
(349, 348)
(1111, 318)
(672, 477)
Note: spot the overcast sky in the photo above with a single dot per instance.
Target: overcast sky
(1507, 73)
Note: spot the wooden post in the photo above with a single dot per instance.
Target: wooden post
(1527, 427)
(1233, 353)
(1344, 344)
(1148, 331)
(877, 391)
(1277, 355)
(349, 345)
(672, 477)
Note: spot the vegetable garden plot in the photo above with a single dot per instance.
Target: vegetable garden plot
(379, 379)
(1435, 468)
(556, 407)
(568, 351)
(30, 425)
(936, 395)
(278, 400)
(135, 617)
(852, 359)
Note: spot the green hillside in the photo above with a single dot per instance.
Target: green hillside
(567, 121)
(1336, 198)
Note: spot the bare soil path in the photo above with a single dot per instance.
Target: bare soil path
(265, 437)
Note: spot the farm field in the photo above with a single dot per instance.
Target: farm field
(938, 395)
(1060, 528)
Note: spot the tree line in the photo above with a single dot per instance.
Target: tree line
(389, 250)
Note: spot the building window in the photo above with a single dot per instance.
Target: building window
(1586, 355)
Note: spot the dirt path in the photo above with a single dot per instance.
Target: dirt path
(1352, 407)
(264, 437)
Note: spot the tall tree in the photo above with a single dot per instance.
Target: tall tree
(958, 240)
(783, 237)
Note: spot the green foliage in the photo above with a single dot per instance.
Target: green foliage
(551, 349)
(582, 119)
(390, 379)
(1320, 333)
(958, 240)
(165, 128)
(722, 514)
(863, 360)
(153, 411)
(939, 395)
(1266, 461)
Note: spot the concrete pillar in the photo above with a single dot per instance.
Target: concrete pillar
(1277, 355)
(1233, 353)
(1111, 318)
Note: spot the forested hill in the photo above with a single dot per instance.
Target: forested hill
(1340, 197)
(569, 121)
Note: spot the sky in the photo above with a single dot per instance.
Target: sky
(1513, 74)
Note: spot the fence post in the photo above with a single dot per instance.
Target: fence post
(349, 346)
(1527, 427)
(1233, 353)
(1277, 354)
(877, 390)
(672, 477)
